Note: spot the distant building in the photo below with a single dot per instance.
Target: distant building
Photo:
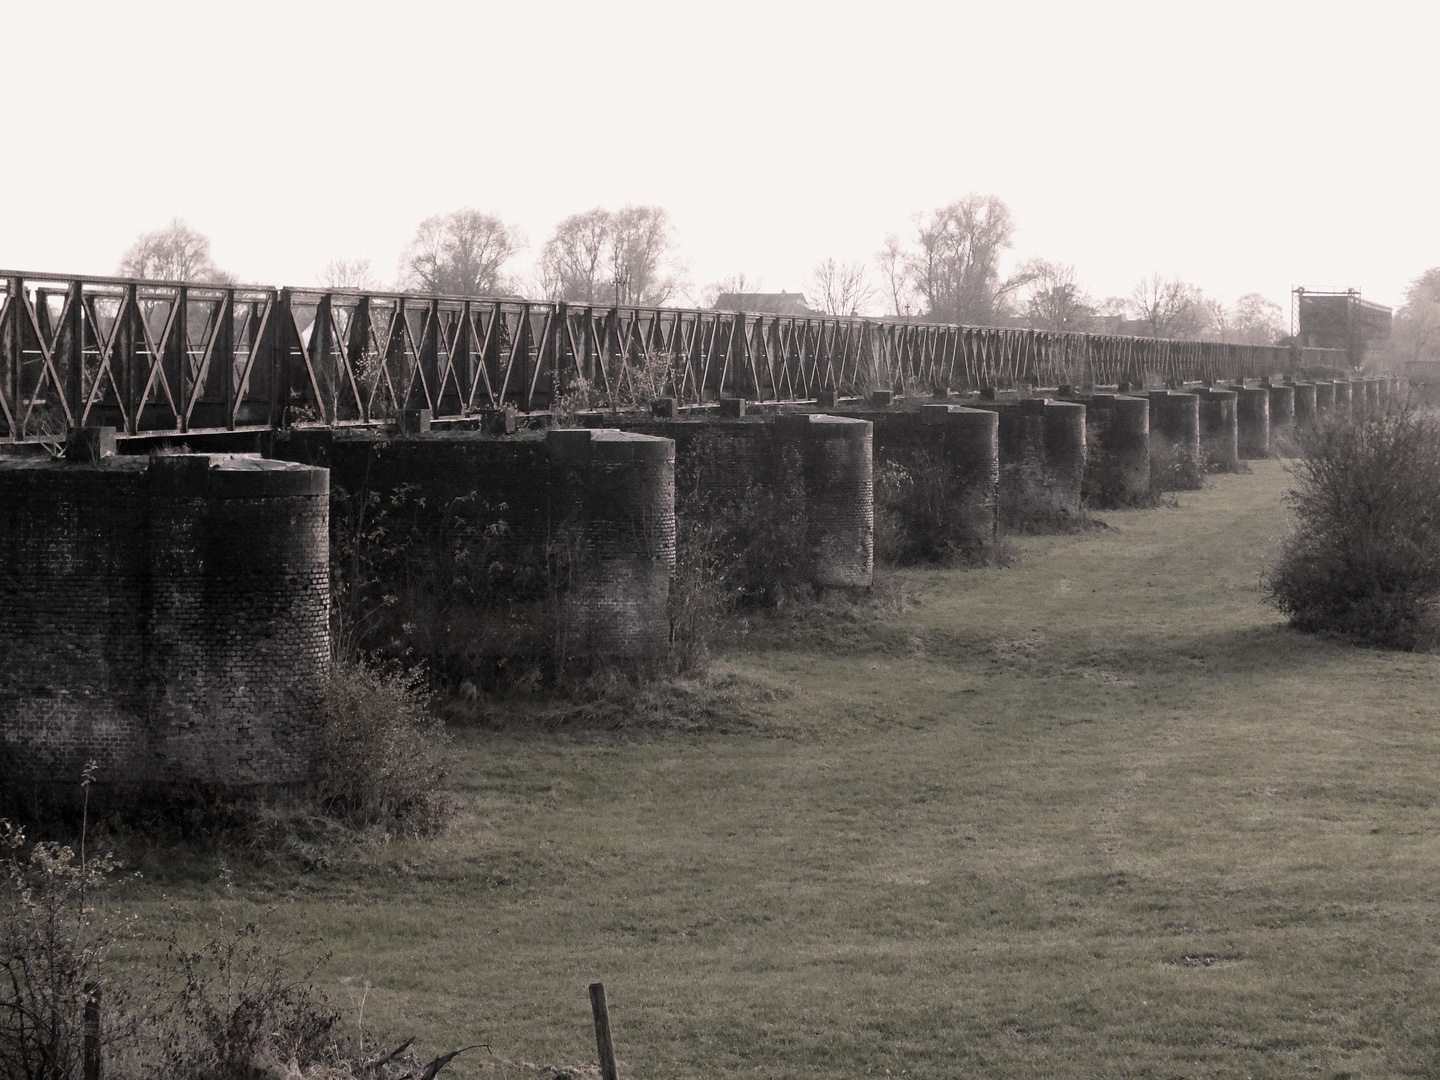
(764, 303)
(1340, 320)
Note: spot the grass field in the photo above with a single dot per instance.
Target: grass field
(1096, 815)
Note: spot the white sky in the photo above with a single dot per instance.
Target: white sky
(1243, 146)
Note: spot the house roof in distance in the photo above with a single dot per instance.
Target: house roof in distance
(765, 303)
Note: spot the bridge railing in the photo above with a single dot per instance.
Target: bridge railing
(153, 357)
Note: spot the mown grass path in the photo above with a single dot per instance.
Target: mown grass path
(1097, 815)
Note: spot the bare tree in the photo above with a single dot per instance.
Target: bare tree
(1052, 299)
(735, 283)
(175, 253)
(348, 274)
(626, 256)
(459, 253)
(839, 288)
(955, 266)
(1170, 308)
(893, 261)
(642, 255)
(1255, 320)
(575, 261)
(1416, 332)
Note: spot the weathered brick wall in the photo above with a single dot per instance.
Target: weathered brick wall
(1282, 411)
(1117, 450)
(1042, 461)
(167, 617)
(1252, 421)
(1176, 461)
(949, 457)
(1219, 433)
(562, 544)
(1303, 404)
(1344, 400)
(816, 469)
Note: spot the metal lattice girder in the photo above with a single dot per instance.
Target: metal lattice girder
(158, 357)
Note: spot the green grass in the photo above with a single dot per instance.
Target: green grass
(1096, 815)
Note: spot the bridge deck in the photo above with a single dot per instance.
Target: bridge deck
(157, 357)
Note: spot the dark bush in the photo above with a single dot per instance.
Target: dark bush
(1174, 467)
(927, 512)
(382, 750)
(224, 1007)
(1364, 560)
(752, 527)
(53, 949)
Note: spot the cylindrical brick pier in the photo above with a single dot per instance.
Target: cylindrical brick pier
(166, 617)
(612, 493)
(1042, 461)
(803, 480)
(937, 481)
(1176, 463)
(1344, 401)
(836, 453)
(1219, 435)
(967, 441)
(544, 553)
(1325, 400)
(1282, 417)
(1305, 404)
(1117, 453)
(1252, 421)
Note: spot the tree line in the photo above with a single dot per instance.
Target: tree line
(949, 267)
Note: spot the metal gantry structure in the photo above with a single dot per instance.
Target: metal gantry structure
(165, 357)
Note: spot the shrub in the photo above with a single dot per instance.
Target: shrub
(1364, 560)
(926, 512)
(1174, 467)
(697, 597)
(752, 528)
(53, 947)
(382, 750)
(225, 1009)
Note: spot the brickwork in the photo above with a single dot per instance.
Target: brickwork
(815, 470)
(1219, 434)
(836, 455)
(554, 548)
(1304, 403)
(1344, 400)
(1252, 421)
(961, 507)
(1282, 412)
(167, 617)
(1324, 400)
(1175, 457)
(1117, 450)
(1042, 461)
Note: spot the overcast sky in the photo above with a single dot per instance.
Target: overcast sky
(1245, 147)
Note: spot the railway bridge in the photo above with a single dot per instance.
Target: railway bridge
(155, 357)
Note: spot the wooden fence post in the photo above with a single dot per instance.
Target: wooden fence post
(603, 1042)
